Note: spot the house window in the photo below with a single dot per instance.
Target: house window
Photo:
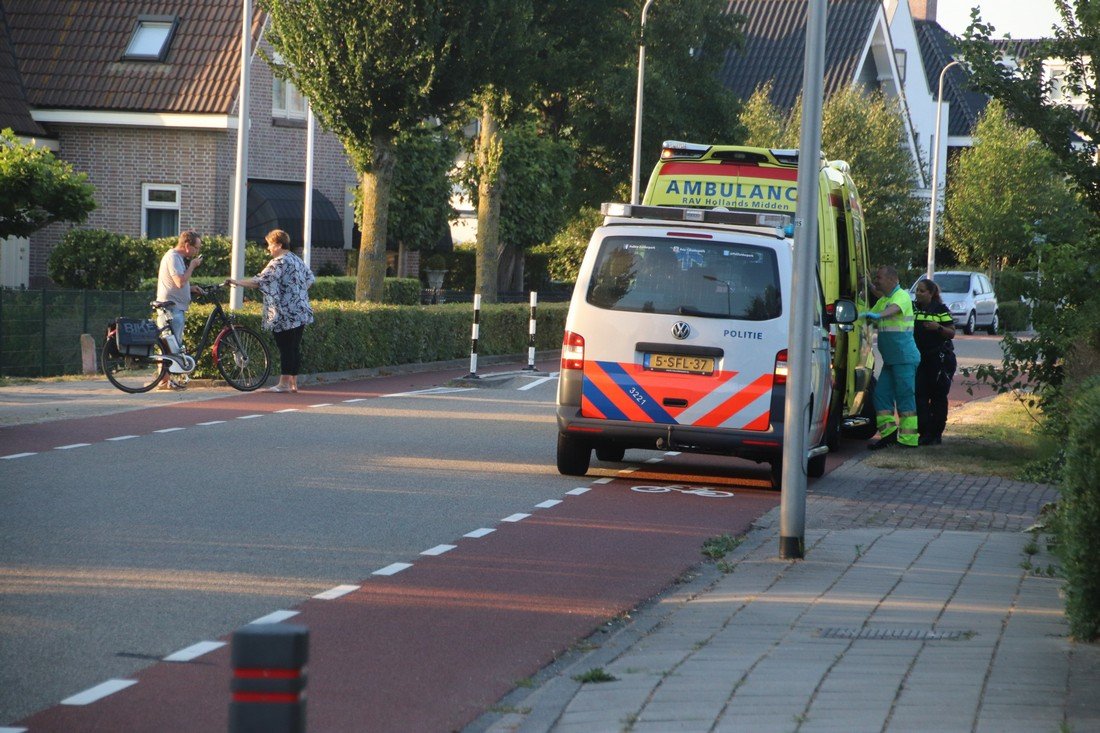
(160, 210)
(151, 38)
(286, 101)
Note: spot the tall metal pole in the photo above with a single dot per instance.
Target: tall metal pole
(636, 171)
(792, 506)
(936, 178)
(236, 268)
(307, 217)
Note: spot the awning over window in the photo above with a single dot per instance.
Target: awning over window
(280, 205)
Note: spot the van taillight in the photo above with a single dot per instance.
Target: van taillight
(781, 367)
(572, 351)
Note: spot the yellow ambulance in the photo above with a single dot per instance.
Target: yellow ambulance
(761, 179)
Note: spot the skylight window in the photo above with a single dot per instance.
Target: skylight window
(151, 38)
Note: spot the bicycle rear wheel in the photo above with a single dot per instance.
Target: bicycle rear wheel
(242, 358)
(133, 374)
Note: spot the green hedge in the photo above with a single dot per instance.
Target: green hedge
(395, 291)
(1079, 518)
(1014, 315)
(349, 335)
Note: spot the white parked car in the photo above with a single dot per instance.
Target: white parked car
(970, 298)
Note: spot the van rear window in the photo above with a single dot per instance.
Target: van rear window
(686, 277)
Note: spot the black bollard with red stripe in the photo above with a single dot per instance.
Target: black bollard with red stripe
(269, 679)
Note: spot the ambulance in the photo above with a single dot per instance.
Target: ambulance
(676, 339)
(762, 179)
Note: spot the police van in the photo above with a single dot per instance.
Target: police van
(676, 339)
(763, 179)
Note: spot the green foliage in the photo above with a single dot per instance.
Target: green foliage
(1014, 315)
(420, 206)
(1006, 193)
(721, 545)
(461, 269)
(1079, 518)
(95, 259)
(354, 335)
(867, 131)
(566, 250)
(596, 674)
(400, 291)
(37, 189)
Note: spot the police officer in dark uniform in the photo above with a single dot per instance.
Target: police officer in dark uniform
(933, 330)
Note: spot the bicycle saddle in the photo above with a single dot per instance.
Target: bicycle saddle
(163, 304)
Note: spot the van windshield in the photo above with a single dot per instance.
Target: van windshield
(686, 277)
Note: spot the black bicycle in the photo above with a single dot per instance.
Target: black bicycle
(137, 355)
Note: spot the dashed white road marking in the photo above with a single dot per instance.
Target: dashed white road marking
(393, 569)
(654, 460)
(438, 550)
(578, 491)
(537, 382)
(338, 591)
(275, 617)
(432, 390)
(322, 404)
(478, 533)
(167, 430)
(194, 651)
(18, 455)
(517, 517)
(249, 417)
(672, 453)
(357, 399)
(289, 409)
(71, 446)
(211, 422)
(548, 503)
(123, 437)
(98, 692)
(603, 481)
(5, 729)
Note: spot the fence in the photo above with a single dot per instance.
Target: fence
(40, 329)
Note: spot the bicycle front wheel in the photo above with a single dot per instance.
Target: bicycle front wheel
(242, 358)
(133, 374)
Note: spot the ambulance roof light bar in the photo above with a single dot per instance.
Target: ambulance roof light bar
(709, 216)
(677, 149)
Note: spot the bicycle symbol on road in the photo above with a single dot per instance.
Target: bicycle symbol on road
(683, 489)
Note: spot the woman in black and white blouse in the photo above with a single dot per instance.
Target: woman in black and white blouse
(286, 312)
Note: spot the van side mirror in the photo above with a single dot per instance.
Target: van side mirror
(845, 312)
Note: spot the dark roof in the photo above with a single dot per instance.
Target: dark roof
(281, 205)
(775, 46)
(937, 49)
(70, 55)
(14, 112)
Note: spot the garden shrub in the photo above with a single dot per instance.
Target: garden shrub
(1079, 520)
(96, 259)
(217, 252)
(1014, 315)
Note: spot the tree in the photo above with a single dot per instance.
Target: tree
(1005, 192)
(372, 69)
(420, 208)
(868, 131)
(37, 189)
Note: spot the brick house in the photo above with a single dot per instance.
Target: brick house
(142, 96)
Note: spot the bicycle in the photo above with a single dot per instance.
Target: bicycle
(240, 354)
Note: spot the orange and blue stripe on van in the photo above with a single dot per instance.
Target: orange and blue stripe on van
(623, 391)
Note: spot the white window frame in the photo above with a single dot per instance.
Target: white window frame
(147, 31)
(294, 105)
(148, 205)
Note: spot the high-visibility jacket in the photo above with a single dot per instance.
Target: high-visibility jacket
(895, 333)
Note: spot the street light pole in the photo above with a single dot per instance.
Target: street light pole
(936, 177)
(635, 187)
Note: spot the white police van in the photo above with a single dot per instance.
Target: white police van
(676, 339)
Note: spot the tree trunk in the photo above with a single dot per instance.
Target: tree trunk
(489, 189)
(376, 185)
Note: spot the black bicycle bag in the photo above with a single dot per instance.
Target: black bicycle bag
(135, 336)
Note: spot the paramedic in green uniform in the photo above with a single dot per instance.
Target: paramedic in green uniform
(893, 314)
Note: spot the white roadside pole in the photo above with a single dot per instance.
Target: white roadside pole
(636, 172)
(792, 511)
(307, 216)
(236, 266)
(936, 177)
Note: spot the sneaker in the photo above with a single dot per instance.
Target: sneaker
(885, 442)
